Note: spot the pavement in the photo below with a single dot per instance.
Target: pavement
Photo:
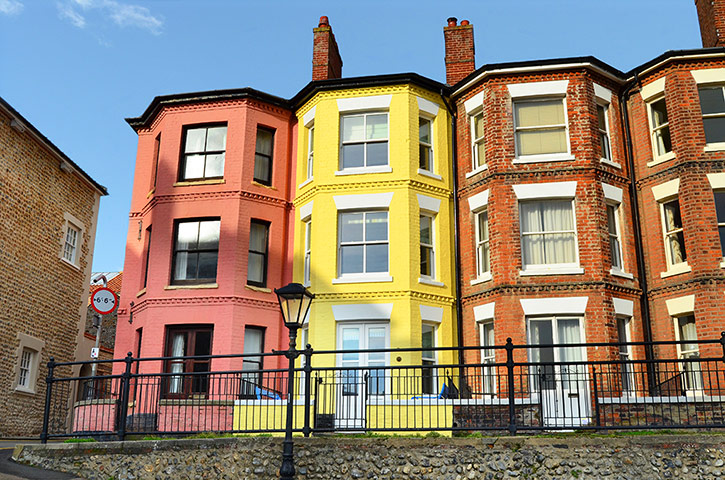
(9, 470)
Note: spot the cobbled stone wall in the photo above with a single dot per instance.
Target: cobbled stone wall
(685, 456)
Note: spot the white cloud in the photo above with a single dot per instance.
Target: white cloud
(67, 12)
(122, 14)
(10, 7)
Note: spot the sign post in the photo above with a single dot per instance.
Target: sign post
(103, 301)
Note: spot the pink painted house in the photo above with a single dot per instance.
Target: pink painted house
(209, 235)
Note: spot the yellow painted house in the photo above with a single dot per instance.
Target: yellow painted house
(374, 222)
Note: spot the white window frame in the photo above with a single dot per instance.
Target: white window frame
(481, 274)
(693, 384)
(33, 346)
(308, 253)
(488, 357)
(365, 168)
(545, 157)
(70, 245)
(432, 357)
(479, 203)
(550, 268)
(361, 276)
(717, 183)
(476, 164)
(310, 150)
(429, 145)
(672, 267)
(656, 156)
(625, 354)
(713, 146)
(709, 78)
(613, 198)
(431, 245)
(615, 236)
(71, 223)
(604, 134)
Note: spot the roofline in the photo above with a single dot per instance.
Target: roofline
(367, 81)
(64, 159)
(537, 66)
(159, 102)
(672, 55)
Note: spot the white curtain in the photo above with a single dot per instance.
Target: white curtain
(177, 350)
(541, 247)
(568, 329)
(673, 222)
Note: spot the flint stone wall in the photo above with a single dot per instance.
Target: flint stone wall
(685, 456)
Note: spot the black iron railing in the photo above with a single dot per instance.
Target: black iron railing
(516, 388)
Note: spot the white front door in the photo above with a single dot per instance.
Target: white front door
(357, 385)
(563, 390)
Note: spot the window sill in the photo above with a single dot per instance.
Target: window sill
(430, 174)
(141, 292)
(722, 263)
(191, 287)
(24, 390)
(363, 278)
(476, 171)
(551, 271)
(485, 277)
(430, 281)
(549, 157)
(73, 265)
(661, 159)
(254, 182)
(187, 183)
(714, 147)
(364, 170)
(619, 273)
(305, 183)
(676, 270)
(610, 163)
(258, 289)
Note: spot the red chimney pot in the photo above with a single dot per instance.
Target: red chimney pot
(324, 21)
(465, 22)
(452, 21)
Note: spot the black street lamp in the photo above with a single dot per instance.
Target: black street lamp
(294, 301)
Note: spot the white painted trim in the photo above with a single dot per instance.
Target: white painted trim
(547, 306)
(484, 312)
(429, 204)
(478, 201)
(653, 89)
(714, 147)
(429, 174)
(430, 281)
(365, 170)
(709, 75)
(620, 273)
(363, 278)
(610, 163)
(362, 311)
(676, 269)
(305, 183)
(309, 117)
(534, 89)
(484, 277)
(426, 106)
(478, 170)
(680, 305)
(545, 190)
(375, 102)
(623, 307)
(365, 200)
(535, 270)
(612, 193)
(602, 93)
(431, 314)
(473, 103)
(666, 190)
(546, 157)
(661, 158)
(717, 180)
(306, 211)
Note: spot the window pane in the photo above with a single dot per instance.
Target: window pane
(353, 128)
(351, 259)
(255, 269)
(216, 139)
(559, 248)
(194, 166)
(711, 100)
(208, 235)
(611, 219)
(426, 261)
(261, 169)
(207, 265)
(714, 129)
(195, 140)
(185, 266)
(351, 227)
(424, 130)
(202, 344)
(258, 237)
(672, 216)
(424, 152)
(677, 247)
(265, 140)
(482, 226)
(663, 141)
(376, 226)
(557, 215)
(533, 114)
(214, 165)
(187, 235)
(688, 332)
(601, 117)
(425, 229)
(542, 142)
(614, 250)
(659, 112)
(353, 156)
(376, 258)
(478, 125)
(721, 230)
(377, 126)
(533, 249)
(480, 153)
(377, 154)
(427, 340)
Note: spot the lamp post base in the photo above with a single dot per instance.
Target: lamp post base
(287, 470)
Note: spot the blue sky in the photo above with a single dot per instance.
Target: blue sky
(77, 68)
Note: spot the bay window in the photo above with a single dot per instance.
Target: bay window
(548, 234)
(196, 250)
(364, 140)
(204, 150)
(363, 242)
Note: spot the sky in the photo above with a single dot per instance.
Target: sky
(77, 68)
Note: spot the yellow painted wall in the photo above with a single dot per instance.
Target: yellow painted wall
(405, 291)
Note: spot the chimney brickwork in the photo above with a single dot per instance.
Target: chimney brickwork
(711, 14)
(326, 60)
(460, 50)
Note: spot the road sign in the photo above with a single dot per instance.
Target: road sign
(104, 301)
(94, 352)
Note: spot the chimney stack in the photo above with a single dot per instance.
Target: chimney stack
(460, 51)
(711, 14)
(326, 60)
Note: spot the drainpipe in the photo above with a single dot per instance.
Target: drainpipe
(457, 242)
(639, 249)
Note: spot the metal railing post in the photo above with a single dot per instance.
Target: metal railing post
(596, 397)
(722, 342)
(125, 389)
(48, 396)
(308, 379)
(510, 372)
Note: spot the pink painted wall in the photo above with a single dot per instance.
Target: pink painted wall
(231, 306)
